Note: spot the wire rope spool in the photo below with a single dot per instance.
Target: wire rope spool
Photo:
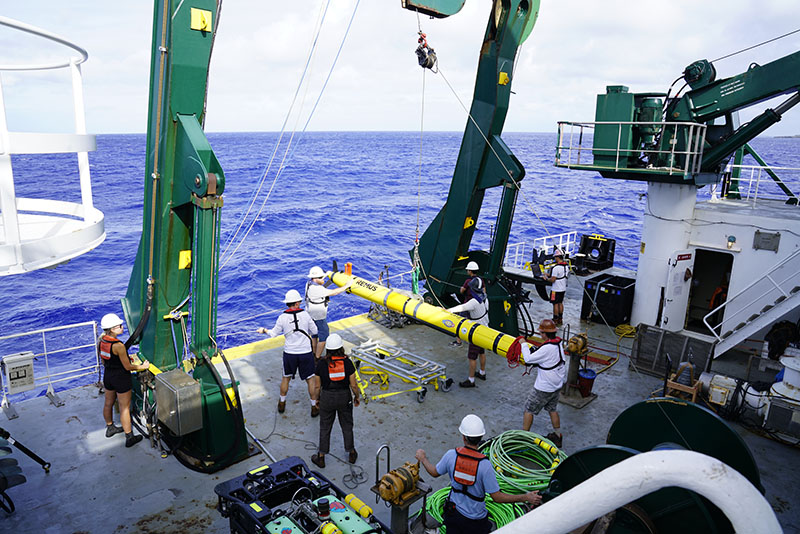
(658, 424)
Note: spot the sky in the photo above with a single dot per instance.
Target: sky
(576, 49)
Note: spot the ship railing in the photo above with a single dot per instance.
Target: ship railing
(44, 232)
(775, 286)
(518, 255)
(63, 358)
(572, 153)
(750, 183)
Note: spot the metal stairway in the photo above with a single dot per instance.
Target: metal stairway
(762, 303)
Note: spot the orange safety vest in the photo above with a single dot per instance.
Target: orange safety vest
(336, 369)
(106, 342)
(466, 469)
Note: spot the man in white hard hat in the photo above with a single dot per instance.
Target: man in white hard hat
(471, 478)
(298, 356)
(476, 306)
(558, 277)
(117, 367)
(317, 297)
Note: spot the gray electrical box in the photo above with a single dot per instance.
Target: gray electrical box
(179, 402)
(18, 372)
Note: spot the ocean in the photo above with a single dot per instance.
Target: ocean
(354, 197)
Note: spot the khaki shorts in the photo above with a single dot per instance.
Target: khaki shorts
(542, 399)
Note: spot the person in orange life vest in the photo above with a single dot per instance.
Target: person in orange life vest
(297, 327)
(471, 478)
(558, 277)
(117, 367)
(477, 308)
(335, 378)
(551, 376)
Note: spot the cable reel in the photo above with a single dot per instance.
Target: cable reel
(662, 423)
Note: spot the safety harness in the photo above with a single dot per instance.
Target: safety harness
(466, 471)
(297, 324)
(557, 342)
(324, 300)
(566, 271)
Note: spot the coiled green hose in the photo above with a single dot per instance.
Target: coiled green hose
(522, 461)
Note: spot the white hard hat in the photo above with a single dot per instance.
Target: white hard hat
(558, 252)
(472, 426)
(472, 266)
(316, 272)
(292, 296)
(334, 342)
(109, 321)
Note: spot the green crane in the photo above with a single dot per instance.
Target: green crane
(177, 261)
(484, 161)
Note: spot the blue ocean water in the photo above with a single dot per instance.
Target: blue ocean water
(346, 196)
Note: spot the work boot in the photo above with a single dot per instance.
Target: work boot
(131, 440)
(466, 384)
(318, 460)
(113, 430)
(314, 410)
(353, 456)
(555, 438)
(281, 406)
(480, 376)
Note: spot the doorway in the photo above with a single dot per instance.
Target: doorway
(712, 272)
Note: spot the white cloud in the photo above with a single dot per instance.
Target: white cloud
(575, 50)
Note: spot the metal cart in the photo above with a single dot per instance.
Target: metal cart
(375, 363)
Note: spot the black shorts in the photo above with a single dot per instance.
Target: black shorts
(473, 351)
(557, 297)
(118, 380)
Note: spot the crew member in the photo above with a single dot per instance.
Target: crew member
(551, 376)
(477, 308)
(117, 367)
(558, 277)
(317, 297)
(297, 327)
(471, 478)
(335, 379)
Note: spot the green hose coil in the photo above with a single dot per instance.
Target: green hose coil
(522, 461)
(500, 513)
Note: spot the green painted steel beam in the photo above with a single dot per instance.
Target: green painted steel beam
(176, 265)
(484, 161)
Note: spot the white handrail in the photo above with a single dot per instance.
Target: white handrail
(11, 23)
(716, 330)
(640, 475)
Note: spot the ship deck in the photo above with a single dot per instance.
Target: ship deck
(96, 485)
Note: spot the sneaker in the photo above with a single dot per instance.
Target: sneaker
(281, 406)
(314, 411)
(318, 460)
(480, 376)
(113, 430)
(455, 343)
(555, 438)
(353, 456)
(466, 384)
(132, 440)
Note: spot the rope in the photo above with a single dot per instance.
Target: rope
(265, 173)
(305, 127)
(757, 45)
